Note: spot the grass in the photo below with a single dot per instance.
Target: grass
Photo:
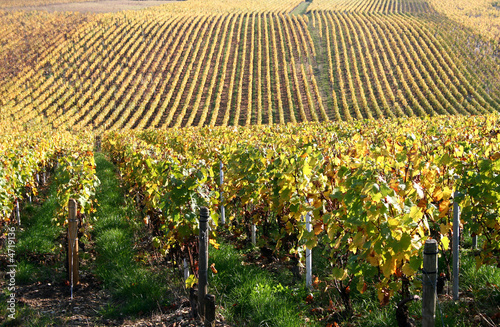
(301, 8)
(38, 255)
(136, 289)
(251, 296)
(38, 238)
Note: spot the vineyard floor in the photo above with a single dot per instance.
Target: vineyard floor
(96, 6)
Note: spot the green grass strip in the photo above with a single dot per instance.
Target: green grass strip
(38, 241)
(135, 289)
(251, 296)
(301, 8)
(39, 255)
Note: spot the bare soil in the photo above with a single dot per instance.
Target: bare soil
(97, 6)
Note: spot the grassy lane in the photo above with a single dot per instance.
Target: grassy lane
(37, 248)
(135, 288)
(39, 256)
(251, 296)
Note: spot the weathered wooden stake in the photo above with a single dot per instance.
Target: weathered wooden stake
(474, 238)
(429, 279)
(193, 300)
(474, 242)
(203, 260)
(456, 244)
(97, 145)
(73, 245)
(209, 310)
(222, 209)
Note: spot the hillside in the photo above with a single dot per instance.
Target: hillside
(199, 63)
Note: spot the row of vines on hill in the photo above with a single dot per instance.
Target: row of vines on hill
(377, 190)
(126, 74)
(374, 6)
(415, 75)
(26, 38)
(27, 156)
(140, 70)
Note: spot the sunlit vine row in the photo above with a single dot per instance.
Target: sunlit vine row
(373, 6)
(406, 170)
(405, 68)
(26, 156)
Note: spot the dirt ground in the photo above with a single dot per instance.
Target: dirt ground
(97, 6)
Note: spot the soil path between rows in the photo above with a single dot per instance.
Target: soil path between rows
(96, 6)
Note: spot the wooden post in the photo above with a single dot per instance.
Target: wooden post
(474, 242)
(209, 310)
(222, 209)
(193, 300)
(308, 255)
(456, 244)
(97, 145)
(203, 260)
(72, 245)
(429, 279)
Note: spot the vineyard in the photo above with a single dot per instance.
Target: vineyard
(359, 180)
(6, 4)
(167, 68)
(373, 119)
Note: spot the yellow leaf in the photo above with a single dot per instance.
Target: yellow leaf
(416, 213)
(445, 228)
(447, 193)
(389, 267)
(190, 281)
(373, 259)
(214, 243)
(212, 266)
(438, 194)
(444, 206)
(318, 227)
(393, 222)
(407, 270)
(446, 242)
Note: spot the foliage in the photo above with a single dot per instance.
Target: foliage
(377, 190)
